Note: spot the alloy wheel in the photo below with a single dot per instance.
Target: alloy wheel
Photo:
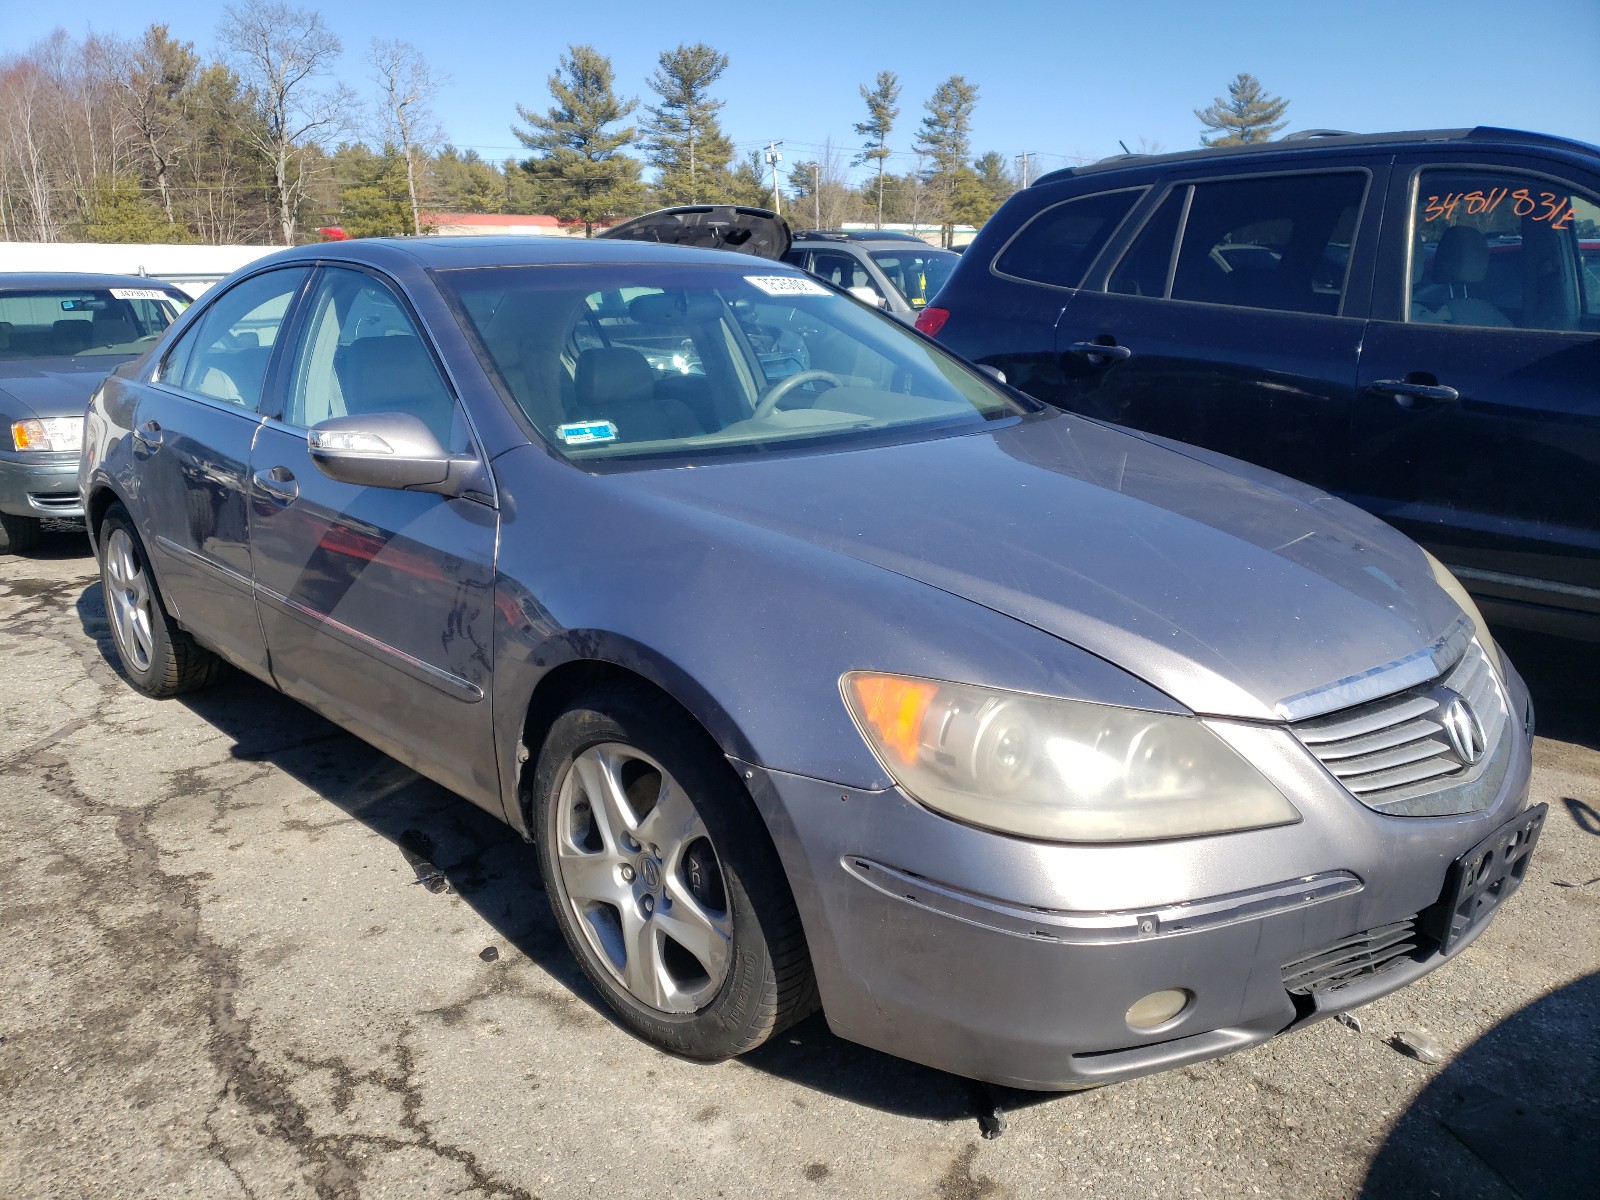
(643, 879)
(131, 601)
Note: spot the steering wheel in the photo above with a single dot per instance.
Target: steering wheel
(783, 387)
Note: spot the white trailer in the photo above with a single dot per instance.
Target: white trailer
(191, 268)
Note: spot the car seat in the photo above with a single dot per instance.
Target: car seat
(617, 384)
(1461, 264)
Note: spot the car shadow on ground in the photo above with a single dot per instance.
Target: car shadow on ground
(444, 839)
(1515, 1108)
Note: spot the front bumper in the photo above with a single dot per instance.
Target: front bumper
(1016, 962)
(39, 485)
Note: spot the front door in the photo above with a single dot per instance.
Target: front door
(376, 602)
(1233, 321)
(1477, 429)
(193, 430)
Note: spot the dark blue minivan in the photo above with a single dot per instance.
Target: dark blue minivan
(1410, 321)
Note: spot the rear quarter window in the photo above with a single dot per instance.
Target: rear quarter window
(1057, 246)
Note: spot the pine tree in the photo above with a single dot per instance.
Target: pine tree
(684, 140)
(580, 172)
(882, 109)
(945, 137)
(1247, 115)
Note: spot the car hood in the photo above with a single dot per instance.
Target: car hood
(1232, 592)
(756, 231)
(53, 387)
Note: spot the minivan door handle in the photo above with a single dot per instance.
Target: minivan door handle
(279, 483)
(1100, 354)
(1406, 393)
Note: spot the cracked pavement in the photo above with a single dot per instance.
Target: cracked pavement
(222, 978)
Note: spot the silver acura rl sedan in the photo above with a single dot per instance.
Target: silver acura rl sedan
(824, 669)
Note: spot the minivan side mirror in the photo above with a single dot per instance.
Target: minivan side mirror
(391, 450)
(868, 296)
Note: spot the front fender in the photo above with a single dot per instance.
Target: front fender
(748, 628)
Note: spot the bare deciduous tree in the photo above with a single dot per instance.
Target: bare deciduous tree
(406, 116)
(283, 55)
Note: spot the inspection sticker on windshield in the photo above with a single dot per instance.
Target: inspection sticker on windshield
(786, 285)
(140, 294)
(581, 433)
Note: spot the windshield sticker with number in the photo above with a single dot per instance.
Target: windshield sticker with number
(140, 294)
(786, 285)
(581, 433)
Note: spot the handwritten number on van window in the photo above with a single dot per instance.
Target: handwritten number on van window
(1539, 206)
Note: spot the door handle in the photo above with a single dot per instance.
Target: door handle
(279, 483)
(1100, 354)
(1406, 393)
(149, 434)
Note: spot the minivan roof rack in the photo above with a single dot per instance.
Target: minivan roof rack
(1324, 138)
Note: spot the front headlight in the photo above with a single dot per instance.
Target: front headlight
(1062, 770)
(51, 435)
(1453, 588)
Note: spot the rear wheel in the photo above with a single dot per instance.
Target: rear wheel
(158, 657)
(18, 535)
(663, 880)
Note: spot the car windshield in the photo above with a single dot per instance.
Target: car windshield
(60, 323)
(688, 361)
(916, 274)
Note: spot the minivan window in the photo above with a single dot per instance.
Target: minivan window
(1502, 249)
(1058, 245)
(1277, 242)
(224, 355)
(1144, 268)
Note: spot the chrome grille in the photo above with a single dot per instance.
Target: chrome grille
(1369, 952)
(1397, 755)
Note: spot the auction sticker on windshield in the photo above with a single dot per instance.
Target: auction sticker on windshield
(580, 433)
(139, 294)
(786, 285)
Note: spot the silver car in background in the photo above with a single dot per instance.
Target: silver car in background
(823, 669)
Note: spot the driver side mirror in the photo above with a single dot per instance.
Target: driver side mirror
(868, 296)
(392, 450)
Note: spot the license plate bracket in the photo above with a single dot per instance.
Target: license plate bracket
(1480, 880)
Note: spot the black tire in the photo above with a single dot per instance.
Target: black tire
(768, 984)
(158, 657)
(18, 535)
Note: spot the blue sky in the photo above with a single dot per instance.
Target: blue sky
(1058, 79)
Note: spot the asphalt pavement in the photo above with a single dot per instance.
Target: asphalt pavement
(243, 954)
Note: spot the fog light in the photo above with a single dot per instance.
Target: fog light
(1158, 1008)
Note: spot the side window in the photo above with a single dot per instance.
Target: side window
(362, 354)
(842, 269)
(1144, 268)
(1278, 242)
(1058, 244)
(225, 354)
(1500, 249)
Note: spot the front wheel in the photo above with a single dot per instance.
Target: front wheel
(663, 880)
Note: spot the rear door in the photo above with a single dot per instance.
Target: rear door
(1477, 429)
(376, 603)
(193, 433)
(1233, 317)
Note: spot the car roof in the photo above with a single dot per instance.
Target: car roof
(858, 236)
(34, 280)
(1313, 141)
(447, 253)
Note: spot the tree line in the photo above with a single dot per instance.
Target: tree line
(144, 140)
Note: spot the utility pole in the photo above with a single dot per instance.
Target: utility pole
(694, 191)
(816, 193)
(773, 159)
(1025, 158)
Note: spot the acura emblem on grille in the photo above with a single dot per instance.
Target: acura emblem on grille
(1462, 727)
